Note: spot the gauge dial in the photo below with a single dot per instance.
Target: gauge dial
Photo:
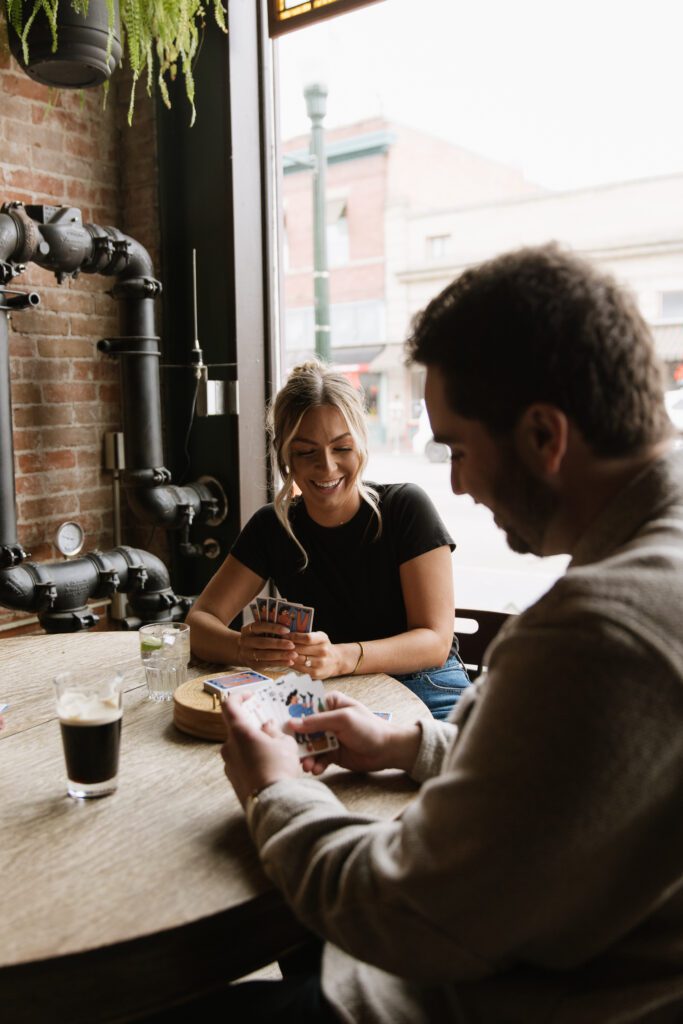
(69, 539)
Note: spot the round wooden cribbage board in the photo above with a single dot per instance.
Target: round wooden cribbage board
(196, 712)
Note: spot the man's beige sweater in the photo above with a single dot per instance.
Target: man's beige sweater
(538, 874)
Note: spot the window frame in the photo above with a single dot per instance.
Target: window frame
(313, 11)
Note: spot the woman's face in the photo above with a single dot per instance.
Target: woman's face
(325, 463)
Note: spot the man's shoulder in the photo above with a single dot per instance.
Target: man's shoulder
(630, 599)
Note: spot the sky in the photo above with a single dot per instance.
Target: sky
(573, 94)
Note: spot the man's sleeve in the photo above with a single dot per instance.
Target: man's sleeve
(550, 804)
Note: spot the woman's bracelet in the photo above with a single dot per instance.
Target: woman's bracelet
(360, 657)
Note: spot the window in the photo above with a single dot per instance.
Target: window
(284, 15)
(445, 146)
(337, 232)
(352, 324)
(671, 305)
(437, 246)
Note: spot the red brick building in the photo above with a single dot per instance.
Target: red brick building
(379, 175)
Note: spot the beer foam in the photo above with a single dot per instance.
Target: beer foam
(88, 709)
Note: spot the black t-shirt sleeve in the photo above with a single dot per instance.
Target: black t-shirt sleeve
(415, 524)
(252, 547)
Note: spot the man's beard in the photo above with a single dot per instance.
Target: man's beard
(527, 505)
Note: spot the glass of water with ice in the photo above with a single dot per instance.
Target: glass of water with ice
(165, 653)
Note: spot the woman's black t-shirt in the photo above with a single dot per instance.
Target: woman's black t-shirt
(352, 577)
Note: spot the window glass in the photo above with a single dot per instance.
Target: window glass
(492, 126)
(672, 305)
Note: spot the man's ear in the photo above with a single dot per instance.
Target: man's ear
(542, 434)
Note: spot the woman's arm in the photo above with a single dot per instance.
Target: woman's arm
(226, 594)
(427, 588)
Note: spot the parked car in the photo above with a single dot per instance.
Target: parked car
(674, 407)
(423, 440)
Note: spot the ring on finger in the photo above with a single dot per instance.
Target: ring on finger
(307, 662)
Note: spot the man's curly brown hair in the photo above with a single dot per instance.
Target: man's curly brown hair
(541, 324)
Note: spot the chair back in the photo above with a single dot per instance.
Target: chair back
(475, 630)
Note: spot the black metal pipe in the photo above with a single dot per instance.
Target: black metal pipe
(58, 592)
(11, 551)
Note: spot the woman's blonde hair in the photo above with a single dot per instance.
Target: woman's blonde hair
(309, 386)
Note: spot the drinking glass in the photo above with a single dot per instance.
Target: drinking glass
(165, 653)
(90, 712)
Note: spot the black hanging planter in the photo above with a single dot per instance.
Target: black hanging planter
(81, 59)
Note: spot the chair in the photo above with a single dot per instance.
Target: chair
(473, 642)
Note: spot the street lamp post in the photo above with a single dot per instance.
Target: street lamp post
(316, 108)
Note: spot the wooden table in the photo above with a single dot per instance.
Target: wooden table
(113, 908)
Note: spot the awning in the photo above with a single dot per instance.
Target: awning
(355, 354)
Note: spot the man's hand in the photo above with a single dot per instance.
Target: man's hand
(255, 757)
(366, 743)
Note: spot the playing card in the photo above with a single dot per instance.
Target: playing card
(255, 611)
(302, 619)
(306, 696)
(289, 697)
(246, 681)
(286, 614)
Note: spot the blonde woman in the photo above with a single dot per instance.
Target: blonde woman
(373, 560)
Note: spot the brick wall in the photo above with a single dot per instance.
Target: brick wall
(62, 148)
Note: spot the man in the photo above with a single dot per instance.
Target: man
(538, 874)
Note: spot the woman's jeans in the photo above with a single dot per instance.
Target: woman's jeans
(439, 688)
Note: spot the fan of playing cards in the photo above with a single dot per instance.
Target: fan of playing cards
(291, 696)
(298, 618)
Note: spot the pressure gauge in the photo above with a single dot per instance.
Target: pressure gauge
(69, 539)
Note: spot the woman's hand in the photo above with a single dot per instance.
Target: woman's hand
(367, 743)
(255, 756)
(259, 648)
(317, 655)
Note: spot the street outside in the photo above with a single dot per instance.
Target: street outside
(487, 574)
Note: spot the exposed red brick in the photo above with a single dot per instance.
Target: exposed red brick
(68, 150)
(30, 485)
(39, 461)
(25, 394)
(77, 437)
(23, 348)
(45, 508)
(26, 440)
(78, 391)
(66, 348)
(21, 85)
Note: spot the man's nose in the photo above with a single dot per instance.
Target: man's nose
(456, 482)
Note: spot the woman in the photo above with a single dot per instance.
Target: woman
(374, 561)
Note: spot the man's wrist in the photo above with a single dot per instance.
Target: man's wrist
(252, 799)
(404, 746)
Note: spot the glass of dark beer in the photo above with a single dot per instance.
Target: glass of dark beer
(90, 711)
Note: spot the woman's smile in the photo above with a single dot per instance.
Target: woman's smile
(328, 485)
(325, 463)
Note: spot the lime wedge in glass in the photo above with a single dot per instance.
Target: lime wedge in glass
(150, 643)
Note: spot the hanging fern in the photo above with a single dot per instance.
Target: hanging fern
(160, 37)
